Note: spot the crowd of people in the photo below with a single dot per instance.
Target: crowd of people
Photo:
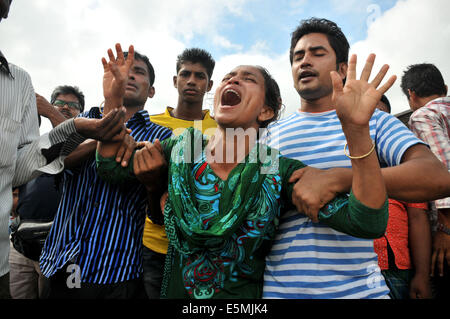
(338, 200)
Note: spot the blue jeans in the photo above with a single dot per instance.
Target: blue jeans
(153, 265)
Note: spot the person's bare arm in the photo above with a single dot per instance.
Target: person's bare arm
(421, 177)
(355, 103)
(419, 234)
(441, 244)
(114, 81)
(151, 169)
(83, 152)
(49, 111)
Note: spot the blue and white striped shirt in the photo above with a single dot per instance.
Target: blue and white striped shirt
(99, 226)
(311, 260)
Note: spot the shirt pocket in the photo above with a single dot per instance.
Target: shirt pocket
(9, 140)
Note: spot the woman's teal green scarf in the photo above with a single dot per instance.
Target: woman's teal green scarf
(184, 226)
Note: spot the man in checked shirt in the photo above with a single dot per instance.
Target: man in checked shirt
(426, 91)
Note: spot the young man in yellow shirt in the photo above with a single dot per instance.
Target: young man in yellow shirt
(193, 80)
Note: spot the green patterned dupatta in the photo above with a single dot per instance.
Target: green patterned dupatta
(184, 227)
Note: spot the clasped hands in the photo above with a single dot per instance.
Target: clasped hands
(149, 164)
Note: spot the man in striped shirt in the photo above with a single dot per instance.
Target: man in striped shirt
(309, 259)
(426, 91)
(94, 249)
(23, 153)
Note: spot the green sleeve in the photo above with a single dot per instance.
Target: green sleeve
(112, 172)
(167, 146)
(345, 213)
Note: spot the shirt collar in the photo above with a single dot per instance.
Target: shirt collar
(141, 116)
(4, 66)
(206, 114)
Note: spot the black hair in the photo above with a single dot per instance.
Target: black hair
(272, 96)
(424, 80)
(67, 89)
(335, 36)
(386, 102)
(196, 55)
(144, 58)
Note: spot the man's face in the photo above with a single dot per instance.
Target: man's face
(313, 60)
(192, 82)
(4, 8)
(68, 105)
(138, 88)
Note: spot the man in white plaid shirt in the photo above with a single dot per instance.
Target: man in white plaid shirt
(426, 91)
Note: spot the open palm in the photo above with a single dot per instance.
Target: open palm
(115, 75)
(356, 101)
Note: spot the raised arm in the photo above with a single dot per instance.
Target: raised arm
(114, 82)
(355, 103)
(366, 213)
(49, 111)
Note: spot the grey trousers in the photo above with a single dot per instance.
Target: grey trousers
(25, 277)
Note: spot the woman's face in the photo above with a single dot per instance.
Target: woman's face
(239, 101)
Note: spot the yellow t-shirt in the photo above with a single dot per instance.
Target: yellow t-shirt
(155, 237)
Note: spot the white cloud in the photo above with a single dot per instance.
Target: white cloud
(225, 43)
(260, 46)
(62, 42)
(413, 31)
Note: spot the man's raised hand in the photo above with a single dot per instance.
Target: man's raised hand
(115, 76)
(356, 101)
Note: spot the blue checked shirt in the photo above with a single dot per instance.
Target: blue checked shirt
(99, 226)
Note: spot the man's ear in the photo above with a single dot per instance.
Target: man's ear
(175, 81)
(342, 70)
(210, 85)
(413, 100)
(151, 92)
(267, 113)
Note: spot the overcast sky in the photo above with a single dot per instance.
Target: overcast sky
(62, 42)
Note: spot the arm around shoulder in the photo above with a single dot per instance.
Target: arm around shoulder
(420, 177)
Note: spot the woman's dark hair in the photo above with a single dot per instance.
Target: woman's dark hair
(272, 96)
(335, 36)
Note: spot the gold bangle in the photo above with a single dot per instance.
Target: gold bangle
(359, 157)
(101, 108)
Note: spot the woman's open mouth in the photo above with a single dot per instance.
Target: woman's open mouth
(230, 98)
